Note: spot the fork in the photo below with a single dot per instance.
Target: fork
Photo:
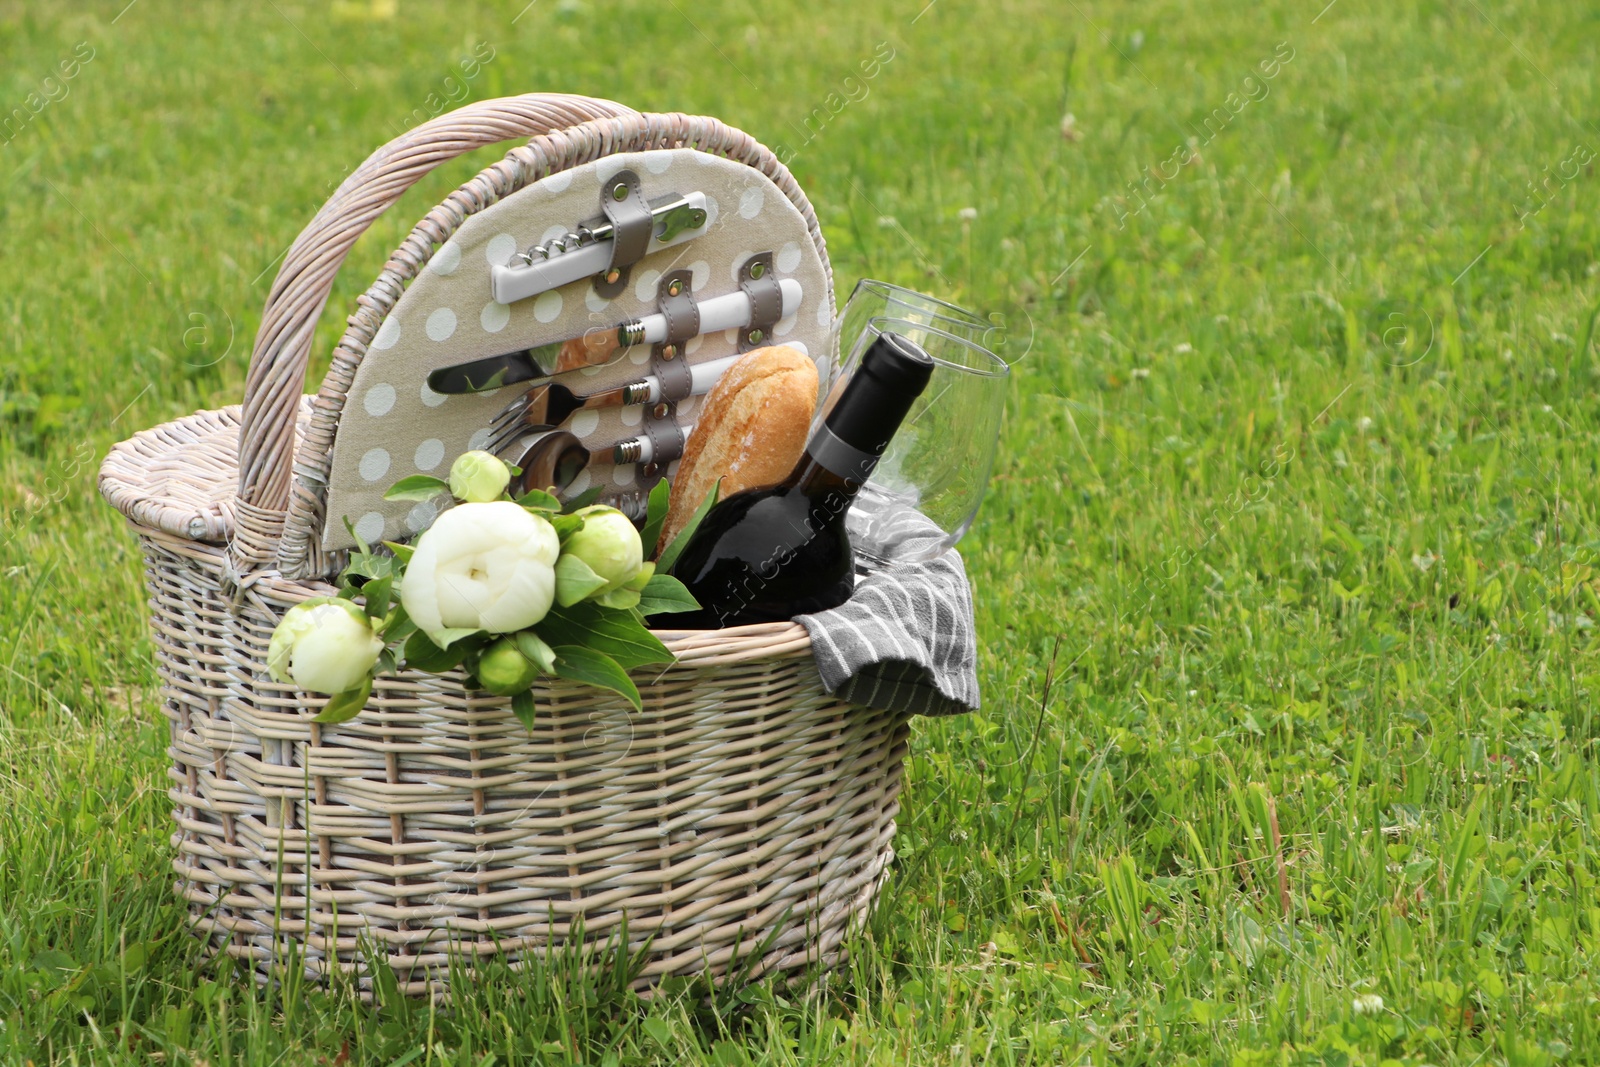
(547, 406)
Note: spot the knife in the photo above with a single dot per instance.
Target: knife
(547, 406)
(539, 365)
(586, 251)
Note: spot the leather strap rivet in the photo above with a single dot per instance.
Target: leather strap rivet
(757, 269)
(756, 336)
(620, 191)
(669, 351)
(659, 411)
(675, 288)
(650, 470)
(612, 275)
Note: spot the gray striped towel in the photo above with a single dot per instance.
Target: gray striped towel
(905, 641)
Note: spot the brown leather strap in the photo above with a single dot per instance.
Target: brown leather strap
(666, 441)
(667, 361)
(674, 375)
(678, 306)
(759, 282)
(624, 206)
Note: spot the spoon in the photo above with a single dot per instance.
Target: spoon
(557, 458)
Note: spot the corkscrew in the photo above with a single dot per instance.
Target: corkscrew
(586, 250)
(674, 214)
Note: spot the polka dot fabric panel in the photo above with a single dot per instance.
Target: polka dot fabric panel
(395, 426)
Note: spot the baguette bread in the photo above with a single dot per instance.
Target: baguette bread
(751, 431)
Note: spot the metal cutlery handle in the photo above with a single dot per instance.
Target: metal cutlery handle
(536, 366)
(639, 450)
(727, 312)
(549, 406)
(702, 376)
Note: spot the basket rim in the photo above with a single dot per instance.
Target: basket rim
(202, 443)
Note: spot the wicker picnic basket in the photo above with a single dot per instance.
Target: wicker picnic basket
(740, 824)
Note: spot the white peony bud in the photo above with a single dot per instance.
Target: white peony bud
(487, 566)
(478, 477)
(504, 670)
(609, 550)
(325, 645)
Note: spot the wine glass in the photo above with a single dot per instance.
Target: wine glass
(873, 299)
(925, 491)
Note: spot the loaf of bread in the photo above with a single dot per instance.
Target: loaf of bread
(750, 433)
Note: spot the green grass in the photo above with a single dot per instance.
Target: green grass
(1287, 580)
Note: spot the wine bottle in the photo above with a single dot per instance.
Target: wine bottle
(767, 555)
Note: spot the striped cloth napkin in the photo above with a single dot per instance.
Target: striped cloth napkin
(905, 641)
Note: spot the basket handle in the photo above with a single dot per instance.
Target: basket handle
(276, 380)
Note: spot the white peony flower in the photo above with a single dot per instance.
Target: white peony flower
(1367, 1004)
(481, 567)
(325, 645)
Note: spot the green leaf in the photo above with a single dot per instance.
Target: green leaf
(378, 593)
(398, 626)
(522, 707)
(566, 525)
(539, 500)
(136, 955)
(622, 597)
(582, 500)
(366, 567)
(53, 959)
(453, 634)
(417, 487)
(665, 594)
(655, 514)
(614, 632)
(423, 655)
(659, 1032)
(579, 664)
(532, 645)
(575, 580)
(670, 554)
(361, 543)
(342, 707)
(647, 570)
(402, 553)
(387, 662)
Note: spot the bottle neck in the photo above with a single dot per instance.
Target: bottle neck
(821, 483)
(848, 441)
(835, 466)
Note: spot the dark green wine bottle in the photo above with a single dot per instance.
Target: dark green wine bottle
(767, 555)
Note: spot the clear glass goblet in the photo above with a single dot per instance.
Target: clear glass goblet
(924, 493)
(873, 299)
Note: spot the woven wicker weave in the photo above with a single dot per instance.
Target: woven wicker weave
(744, 816)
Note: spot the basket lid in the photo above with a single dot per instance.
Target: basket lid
(394, 426)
